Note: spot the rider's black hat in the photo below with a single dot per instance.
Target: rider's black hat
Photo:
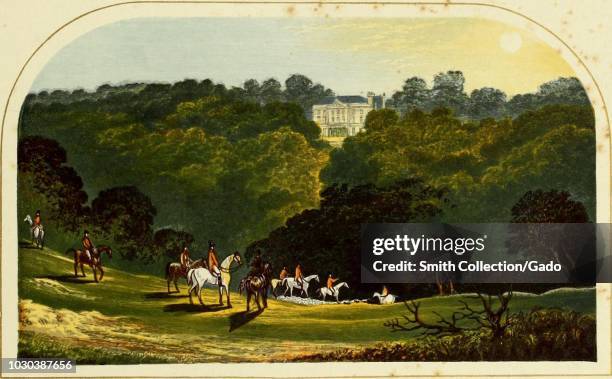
(38, 211)
(86, 231)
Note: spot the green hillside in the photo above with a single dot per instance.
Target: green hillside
(129, 318)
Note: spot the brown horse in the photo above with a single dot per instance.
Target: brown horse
(257, 286)
(174, 271)
(95, 262)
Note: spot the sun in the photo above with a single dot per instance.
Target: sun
(510, 42)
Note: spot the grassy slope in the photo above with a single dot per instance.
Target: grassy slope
(139, 322)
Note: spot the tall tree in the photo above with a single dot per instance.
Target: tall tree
(43, 170)
(127, 215)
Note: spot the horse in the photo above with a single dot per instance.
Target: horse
(37, 233)
(95, 262)
(198, 277)
(389, 299)
(174, 271)
(257, 286)
(291, 283)
(335, 291)
(275, 284)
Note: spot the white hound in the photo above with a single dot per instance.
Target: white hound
(389, 299)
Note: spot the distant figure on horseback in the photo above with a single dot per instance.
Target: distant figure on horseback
(256, 264)
(91, 256)
(275, 283)
(37, 232)
(37, 220)
(213, 260)
(197, 278)
(257, 285)
(330, 282)
(299, 277)
(283, 274)
(185, 260)
(176, 270)
(88, 246)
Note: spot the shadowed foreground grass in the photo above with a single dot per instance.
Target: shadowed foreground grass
(129, 318)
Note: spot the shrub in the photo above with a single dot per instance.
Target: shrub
(541, 334)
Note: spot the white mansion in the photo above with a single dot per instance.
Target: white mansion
(343, 116)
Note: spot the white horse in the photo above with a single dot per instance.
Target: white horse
(290, 283)
(275, 284)
(389, 299)
(37, 232)
(335, 291)
(197, 278)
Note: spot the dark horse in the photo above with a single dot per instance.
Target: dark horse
(257, 286)
(174, 271)
(95, 262)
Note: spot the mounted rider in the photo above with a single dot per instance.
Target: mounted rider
(283, 273)
(185, 260)
(299, 277)
(37, 220)
(88, 246)
(213, 261)
(330, 282)
(256, 264)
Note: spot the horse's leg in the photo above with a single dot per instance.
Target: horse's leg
(264, 297)
(248, 299)
(220, 295)
(257, 300)
(82, 270)
(76, 266)
(101, 272)
(227, 294)
(200, 295)
(190, 292)
(168, 283)
(95, 273)
(175, 279)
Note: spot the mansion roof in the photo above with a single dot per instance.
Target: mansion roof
(343, 99)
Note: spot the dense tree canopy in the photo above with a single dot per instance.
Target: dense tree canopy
(196, 160)
(487, 165)
(448, 91)
(127, 215)
(326, 240)
(204, 161)
(48, 184)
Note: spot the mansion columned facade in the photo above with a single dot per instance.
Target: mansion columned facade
(344, 116)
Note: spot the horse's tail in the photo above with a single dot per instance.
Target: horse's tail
(168, 270)
(190, 278)
(71, 250)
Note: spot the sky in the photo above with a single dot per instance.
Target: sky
(350, 56)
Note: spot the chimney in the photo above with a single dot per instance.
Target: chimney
(371, 99)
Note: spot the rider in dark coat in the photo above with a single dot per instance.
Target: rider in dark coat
(256, 264)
